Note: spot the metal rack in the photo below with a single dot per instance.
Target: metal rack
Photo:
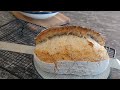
(17, 31)
(19, 64)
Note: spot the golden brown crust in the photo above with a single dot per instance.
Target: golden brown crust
(76, 30)
(74, 49)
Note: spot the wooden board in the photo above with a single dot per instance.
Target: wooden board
(57, 20)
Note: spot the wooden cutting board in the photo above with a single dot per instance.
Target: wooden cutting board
(57, 20)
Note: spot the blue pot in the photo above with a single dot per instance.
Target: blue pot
(39, 15)
(38, 12)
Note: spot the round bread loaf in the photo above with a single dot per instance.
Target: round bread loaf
(71, 50)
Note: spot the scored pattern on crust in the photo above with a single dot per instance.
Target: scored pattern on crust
(71, 50)
(66, 30)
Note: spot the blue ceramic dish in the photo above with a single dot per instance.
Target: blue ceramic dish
(39, 15)
(38, 12)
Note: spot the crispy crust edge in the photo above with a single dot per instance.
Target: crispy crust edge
(76, 30)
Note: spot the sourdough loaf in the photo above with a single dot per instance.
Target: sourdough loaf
(71, 50)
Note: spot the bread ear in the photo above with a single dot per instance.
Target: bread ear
(67, 30)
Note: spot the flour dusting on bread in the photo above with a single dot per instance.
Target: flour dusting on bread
(71, 43)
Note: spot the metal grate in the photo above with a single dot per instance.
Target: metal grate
(18, 64)
(16, 31)
(111, 52)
